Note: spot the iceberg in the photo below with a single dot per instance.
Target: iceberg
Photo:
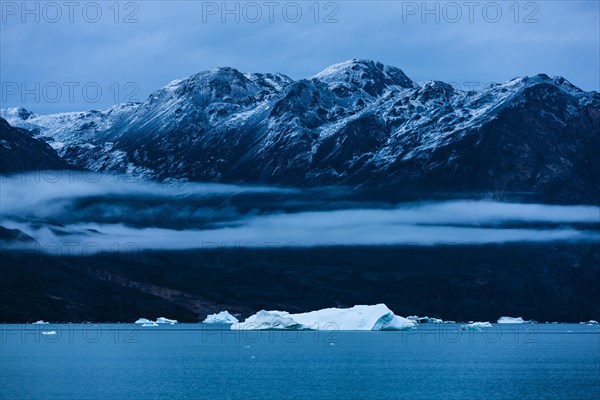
(48, 332)
(477, 326)
(358, 318)
(592, 322)
(40, 322)
(163, 320)
(425, 320)
(220, 318)
(513, 320)
(268, 320)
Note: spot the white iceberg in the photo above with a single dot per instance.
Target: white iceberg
(40, 322)
(268, 320)
(221, 318)
(425, 320)
(592, 322)
(48, 332)
(163, 320)
(513, 320)
(358, 318)
(475, 326)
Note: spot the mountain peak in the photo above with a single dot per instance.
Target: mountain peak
(528, 81)
(371, 76)
(16, 112)
(216, 83)
(344, 66)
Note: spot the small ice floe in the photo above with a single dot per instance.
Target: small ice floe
(592, 322)
(358, 318)
(224, 317)
(40, 322)
(48, 332)
(425, 320)
(476, 326)
(163, 320)
(513, 320)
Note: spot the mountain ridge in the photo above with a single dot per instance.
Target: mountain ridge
(357, 123)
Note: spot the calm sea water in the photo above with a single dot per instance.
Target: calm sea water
(192, 361)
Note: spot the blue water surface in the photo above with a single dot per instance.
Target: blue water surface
(195, 361)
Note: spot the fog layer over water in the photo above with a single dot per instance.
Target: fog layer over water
(109, 209)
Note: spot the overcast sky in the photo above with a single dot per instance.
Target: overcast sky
(133, 49)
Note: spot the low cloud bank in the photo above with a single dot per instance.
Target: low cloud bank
(108, 210)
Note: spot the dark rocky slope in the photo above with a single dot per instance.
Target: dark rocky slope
(19, 151)
(546, 282)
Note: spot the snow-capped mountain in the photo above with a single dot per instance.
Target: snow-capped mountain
(357, 123)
